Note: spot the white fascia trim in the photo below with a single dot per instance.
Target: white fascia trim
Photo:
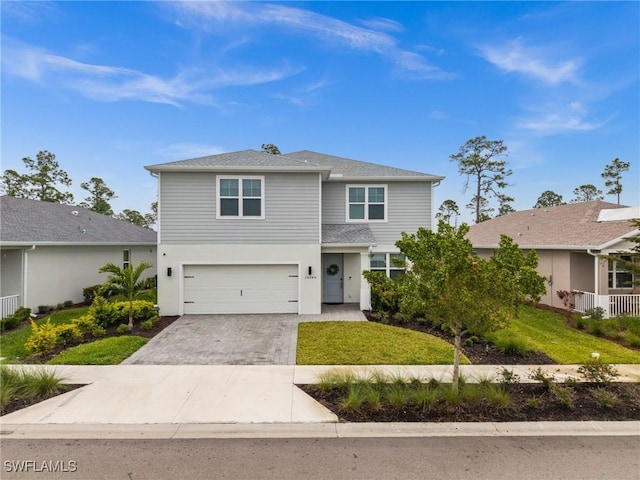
(79, 244)
(383, 178)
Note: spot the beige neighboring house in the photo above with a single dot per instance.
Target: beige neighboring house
(570, 241)
(49, 252)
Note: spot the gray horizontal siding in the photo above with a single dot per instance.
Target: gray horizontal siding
(409, 207)
(188, 211)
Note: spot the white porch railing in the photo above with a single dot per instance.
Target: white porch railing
(583, 301)
(9, 305)
(624, 305)
(613, 305)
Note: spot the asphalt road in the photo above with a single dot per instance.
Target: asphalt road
(466, 458)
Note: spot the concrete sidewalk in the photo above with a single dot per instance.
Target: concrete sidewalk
(164, 401)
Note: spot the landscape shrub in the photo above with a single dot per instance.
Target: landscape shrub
(596, 313)
(142, 310)
(68, 333)
(596, 371)
(510, 345)
(384, 292)
(149, 323)
(104, 312)
(85, 323)
(11, 322)
(42, 339)
(68, 303)
(42, 309)
(89, 293)
(122, 329)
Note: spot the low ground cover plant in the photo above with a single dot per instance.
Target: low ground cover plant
(19, 385)
(379, 397)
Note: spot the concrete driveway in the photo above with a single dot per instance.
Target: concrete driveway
(233, 339)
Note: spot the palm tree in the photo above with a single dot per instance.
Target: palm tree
(125, 281)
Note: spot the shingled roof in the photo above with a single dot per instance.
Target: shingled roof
(574, 225)
(31, 222)
(303, 161)
(347, 234)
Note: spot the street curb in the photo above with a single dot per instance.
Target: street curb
(317, 430)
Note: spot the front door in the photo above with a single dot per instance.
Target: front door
(332, 278)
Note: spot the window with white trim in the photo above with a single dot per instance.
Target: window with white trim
(240, 197)
(389, 263)
(126, 258)
(366, 203)
(619, 276)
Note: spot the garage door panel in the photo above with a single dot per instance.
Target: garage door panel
(240, 289)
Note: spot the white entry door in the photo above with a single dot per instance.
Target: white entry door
(240, 289)
(332, 278)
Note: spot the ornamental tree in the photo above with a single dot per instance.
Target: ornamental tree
(460, 291)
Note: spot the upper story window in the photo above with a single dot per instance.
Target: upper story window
(619, 276)
(240, 197)
(366, 203)
(389, 263)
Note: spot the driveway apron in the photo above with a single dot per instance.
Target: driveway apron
(230, 340)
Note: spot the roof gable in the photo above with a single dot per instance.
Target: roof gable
(27, 221)
(574, 225)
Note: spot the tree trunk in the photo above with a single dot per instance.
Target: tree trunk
(457, 347)
(130, 316)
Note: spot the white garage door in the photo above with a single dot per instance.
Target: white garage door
(240, 289)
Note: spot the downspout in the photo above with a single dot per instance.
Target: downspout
(25, 275)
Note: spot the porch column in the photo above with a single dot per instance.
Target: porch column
(365, 288)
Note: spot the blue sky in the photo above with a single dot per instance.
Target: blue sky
(112, 86)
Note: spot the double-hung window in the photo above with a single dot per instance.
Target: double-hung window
(391, 264)
(126, 258)
(619, 275)
(366, 203)
(240, 197)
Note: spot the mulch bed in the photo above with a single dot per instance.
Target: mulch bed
(161, 324)
(521, 409)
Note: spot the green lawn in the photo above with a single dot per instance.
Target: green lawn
(548, 333)
(12, 342)
(108, 351)
(367, 343)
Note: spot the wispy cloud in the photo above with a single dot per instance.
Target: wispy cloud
(212, 16)
(534, 62)
(379, 23)
(112, 83)
(569, 118)
(28, 12)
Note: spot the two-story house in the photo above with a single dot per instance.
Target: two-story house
(253, 232)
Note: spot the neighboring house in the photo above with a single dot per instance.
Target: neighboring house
(570, 241)
(252, 232)
(49, 252)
